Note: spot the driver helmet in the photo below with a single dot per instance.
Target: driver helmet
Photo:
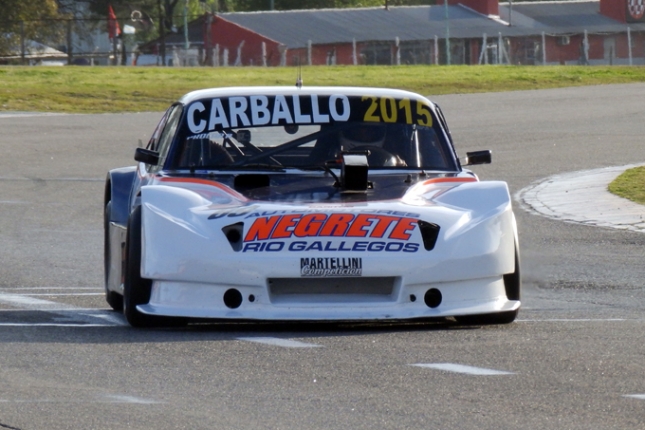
(362, 135)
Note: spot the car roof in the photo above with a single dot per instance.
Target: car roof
(293, 90)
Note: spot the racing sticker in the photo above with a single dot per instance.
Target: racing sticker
(349, 232)
(258, 110)
(331, 266)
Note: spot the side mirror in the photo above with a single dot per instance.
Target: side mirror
(478, 157)
(147, 156)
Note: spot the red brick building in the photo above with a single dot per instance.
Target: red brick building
(476, 31)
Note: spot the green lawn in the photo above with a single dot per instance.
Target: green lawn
(136, 89)
(630, 185)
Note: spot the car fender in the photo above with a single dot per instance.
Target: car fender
(487, 224)
(117, 190)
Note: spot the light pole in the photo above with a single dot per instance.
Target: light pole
(186, 43)
(445, 5)
(162, 32)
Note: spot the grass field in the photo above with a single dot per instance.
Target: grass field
(135, 89)
(630, 185)
(139, 89)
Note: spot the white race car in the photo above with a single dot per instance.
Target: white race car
(296, 203)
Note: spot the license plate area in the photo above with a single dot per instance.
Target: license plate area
(333, 290)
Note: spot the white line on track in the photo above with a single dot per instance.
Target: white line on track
(61, 311)
(636, 396)
(275, 341)
(70, 179)
(460, 368)
(49, 288)
(110, 398)
(18, 114)
(575, 320)
(115, 398)
(53, 325)
(60, 294)
(111, 317)
(68, 315)
(31, 303)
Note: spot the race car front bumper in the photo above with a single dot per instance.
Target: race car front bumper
(319, 299)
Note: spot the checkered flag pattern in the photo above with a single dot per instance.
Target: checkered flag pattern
(636, 8)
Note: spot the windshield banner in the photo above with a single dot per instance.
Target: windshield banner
(259, 110)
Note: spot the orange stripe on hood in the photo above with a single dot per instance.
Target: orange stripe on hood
(208, 182)
(443, 180)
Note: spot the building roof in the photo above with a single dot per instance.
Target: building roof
(296, 28)
(325, 26)
(178, 38)
(34, 50)
(562, 17)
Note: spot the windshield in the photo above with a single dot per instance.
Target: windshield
(223, 134)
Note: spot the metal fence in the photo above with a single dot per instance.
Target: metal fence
(86, 42)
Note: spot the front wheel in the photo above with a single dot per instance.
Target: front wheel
(137, 290)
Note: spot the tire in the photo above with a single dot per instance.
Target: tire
(114, 299)
(513, 281)
(512, 285)
(137, 290)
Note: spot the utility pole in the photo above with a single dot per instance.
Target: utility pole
(162, 33)
(22, 43)
(186, 42)
(445, 4)
(70, 55)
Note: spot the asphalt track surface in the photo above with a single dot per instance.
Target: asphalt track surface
(573, 360)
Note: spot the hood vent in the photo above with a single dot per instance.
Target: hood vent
(429, 233)
(234, 234)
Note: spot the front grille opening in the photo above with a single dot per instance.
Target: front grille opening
(332, 290)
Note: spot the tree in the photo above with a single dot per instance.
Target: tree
(34, 20)
(123, 9)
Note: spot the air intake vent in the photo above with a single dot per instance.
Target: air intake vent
(234, 234)
(429, 233)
